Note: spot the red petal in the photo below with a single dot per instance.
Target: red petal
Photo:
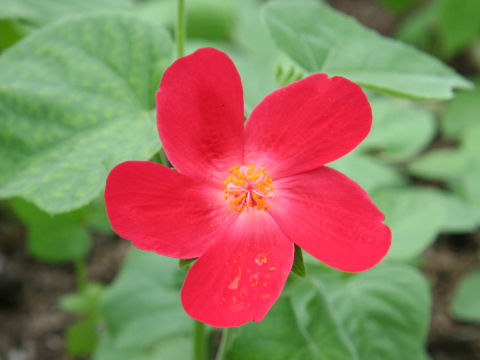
(307, 124)
(240, 277)
(163, 211)
(200, 114)
(332, 218)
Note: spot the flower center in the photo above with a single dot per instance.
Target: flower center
(247, 188)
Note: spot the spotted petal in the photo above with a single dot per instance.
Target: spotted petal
(239, 278)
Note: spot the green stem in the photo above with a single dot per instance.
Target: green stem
(180, 30)
(222, 349)
(198, 340)
(81, 273)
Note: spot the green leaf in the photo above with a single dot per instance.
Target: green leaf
(77, 99)
(185, 263)
(322, 40)
(461, 113)
(385, 312)
(84, 302)
(370, 173)
(418, 28)
(142, 309)
(459, 24)
(399, 129)
(39, 13)
(465, 305)
(81, 336)
(461, 216)
(415, 216)
(57, 238)
(399, 6)
(440, 164)
(300, 326)
(330, 316)
(298, 266)
(96, 217)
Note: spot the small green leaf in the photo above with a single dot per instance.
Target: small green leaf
(77, 99)
(440, 164)
(322, 40)
(298, 265)
(81, 336)
(465, 305)
(415, 216)
(57, 238)
(185, 263)
(84, 302)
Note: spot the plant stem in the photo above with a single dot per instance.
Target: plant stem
(81, 273)
(180, 29)
(198, 340)
(222, 349)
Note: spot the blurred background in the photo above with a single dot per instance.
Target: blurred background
(70, 288)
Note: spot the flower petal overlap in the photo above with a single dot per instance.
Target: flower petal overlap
(243, 194)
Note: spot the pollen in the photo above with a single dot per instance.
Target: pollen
(248, 188)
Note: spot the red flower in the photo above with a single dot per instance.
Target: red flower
(243, 194)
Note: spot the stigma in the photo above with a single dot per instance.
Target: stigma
(247, 188)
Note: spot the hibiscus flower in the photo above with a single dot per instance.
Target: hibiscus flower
(244, 193)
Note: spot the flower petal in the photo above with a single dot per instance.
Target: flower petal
(307, 124)
(332, 218)
(240, 277)
(200, 114)
(163, 211)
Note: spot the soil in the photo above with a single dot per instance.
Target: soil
(32, 326)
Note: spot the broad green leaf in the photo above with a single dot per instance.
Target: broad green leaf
(369, 172)
(462, 113)
(440, 164)
(465, 305)
(415, 216)
(330, 316)
(77, 98)
(385, 312)
(174, 348)
(56, 238)
(142, 309)
(300, 326)
(39, 13)
(322, 40)
(399, 129)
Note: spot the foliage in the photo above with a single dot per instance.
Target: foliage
(77, 86)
